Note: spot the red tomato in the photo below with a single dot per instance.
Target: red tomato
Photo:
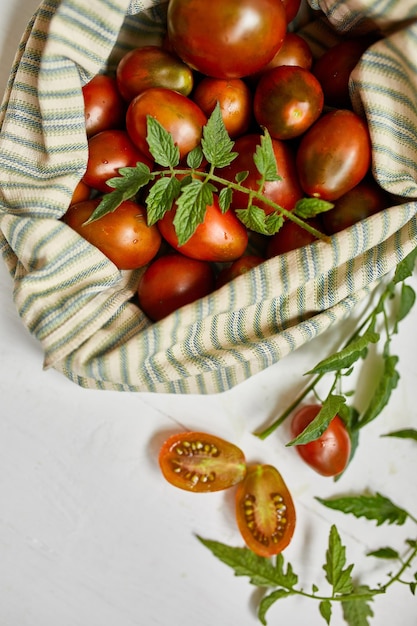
(329, 454)
(201, 462)
(103, 105)
(172, 281)
(152, 66)
(226, 38)
(236, 268)
(333, 70)
(234, 98)
(334, 155)
(265, 511)
(284, 192)
(108, 151)
(221, 237)
(291, 8)
(123, 236)
(81, 192)
(360, 202)
(179, 115)
(294, 51)
(288, 100)
(290, 237)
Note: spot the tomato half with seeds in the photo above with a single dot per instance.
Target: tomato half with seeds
(265, 511)
(201, 462)
(329, 454)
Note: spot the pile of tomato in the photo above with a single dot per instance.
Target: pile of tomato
(263, 76)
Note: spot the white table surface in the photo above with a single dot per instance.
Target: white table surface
(92, 535)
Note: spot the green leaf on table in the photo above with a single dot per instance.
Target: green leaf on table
(310, 207)
(405, 268)
(373, 507)
(256, 219)
(325, 608)
(161, 144)
(265, 160)
(384, 553)
(161, 197)
(216, 143)
(407, 301)
(269, 600)
(388, 381)
(337, 575)
(404, 433)
(316, 428)
(357, 610)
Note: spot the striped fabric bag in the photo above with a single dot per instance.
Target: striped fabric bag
(74, 300)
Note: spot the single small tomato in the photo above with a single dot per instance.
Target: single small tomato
(284, 192)
(201, 462)
(172, 281)
(103, 105)
(234, 98)
(221, 237)
(109, 151)
(237, 268)
(123, 235)
(334, 155)
(265, 511)
(152, 66)
(226, 38)
(294, 51)
(291, 236)
(178, 114)
(288, 100)
(82, 191)
(329, 454)
(291, 9)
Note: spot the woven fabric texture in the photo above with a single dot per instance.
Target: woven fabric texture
(76, 302)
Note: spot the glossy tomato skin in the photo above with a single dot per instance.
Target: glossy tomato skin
(265, 511)
(329, 454)
(221, 237)
(226, 38)
(201, 462)
(108, 151)
(234, 98)
(288, 100)
(237, 268)
(178, 114)
(81, 192)
(291, 8)
(123, 236)
(291, 236)
(284, 192)
(103, 105)
(334, 155)
(152, 66)
(357, 204)
(172, 281)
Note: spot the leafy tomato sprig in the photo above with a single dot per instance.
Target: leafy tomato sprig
(195, 191)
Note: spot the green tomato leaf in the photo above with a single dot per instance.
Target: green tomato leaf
(241, 176)
(325, 608)
(195, 157)
(161, 198)
(225, 198)
(407, 301)
(161, 144)
(336, 574)
(310, 207)
(264, 158)
(316, 428)
(405, 433)
(405, 268)
(216, 143)
(388, 381)
(373, 507)
(357, 610)
(191, 208)
(269, 600)
(384, 553)
(256, 219)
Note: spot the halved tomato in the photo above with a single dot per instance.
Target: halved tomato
(265, 511)
(201, 462)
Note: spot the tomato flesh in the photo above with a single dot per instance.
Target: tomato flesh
(265, 511)
(201, 462)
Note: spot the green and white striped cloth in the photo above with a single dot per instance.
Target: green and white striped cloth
(75, 301)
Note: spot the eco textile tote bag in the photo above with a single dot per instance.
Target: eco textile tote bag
(75, 301)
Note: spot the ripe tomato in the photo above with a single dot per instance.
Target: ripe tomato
(329, 454)
(234, 98)
(172, 281)
(360, 202)
(334, 155)
(291, 8)
(81, 192)
(284, 192)
(265, 511)
(179, 115)
(152, 66)
(236, 268)
(287, 100)
(201, 462)
(103, 105)
(226, 38)
(294, 51)
(291, 237)
(123, 236)
(221, 237)
(108, 151)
